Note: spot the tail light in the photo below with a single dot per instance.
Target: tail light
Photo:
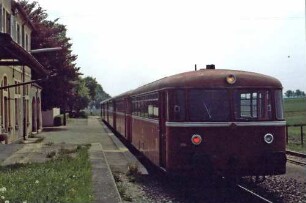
(196, 139)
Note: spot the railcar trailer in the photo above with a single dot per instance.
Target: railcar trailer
(207, 122)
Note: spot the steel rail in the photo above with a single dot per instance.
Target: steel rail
(298, 154)
(254, 194)
(296, 162)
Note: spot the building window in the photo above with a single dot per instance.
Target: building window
(8, 23)
(26, 42)
(1, 18)
(18, 34)
(28, 114)
(4, 83)
(19, 89)
(27, 89)
(22, 36)
(16, 112)
(16, 87)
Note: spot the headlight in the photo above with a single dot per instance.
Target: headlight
(231, 79)
(268, 138)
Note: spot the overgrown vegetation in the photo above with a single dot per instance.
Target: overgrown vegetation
(122, 187)
(123, 180)
(295, 113)
(64, 179)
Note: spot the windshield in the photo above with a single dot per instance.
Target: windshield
(208, 105)
(279, 105)
(252, 105)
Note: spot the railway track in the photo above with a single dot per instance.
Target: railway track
(296, 162)
(255, 197)
(296, 158)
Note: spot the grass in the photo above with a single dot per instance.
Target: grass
(64, 179)
(295, 113)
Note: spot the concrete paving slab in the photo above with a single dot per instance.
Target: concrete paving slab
(8, 150)
(104, 186)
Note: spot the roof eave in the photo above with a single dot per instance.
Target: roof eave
(15, 51)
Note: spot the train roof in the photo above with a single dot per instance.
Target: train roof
(208, 78)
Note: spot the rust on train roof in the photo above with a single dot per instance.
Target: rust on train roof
(209, 78)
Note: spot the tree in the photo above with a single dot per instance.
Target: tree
(100, 96)
(289, 93)
(91, 84)
(96, 92)
(80, 98)
(298, 93)
(62, 63)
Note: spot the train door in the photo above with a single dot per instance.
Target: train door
(162, 128)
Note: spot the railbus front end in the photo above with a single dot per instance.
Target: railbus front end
(228, 132)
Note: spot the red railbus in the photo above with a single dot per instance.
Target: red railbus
(210, 122)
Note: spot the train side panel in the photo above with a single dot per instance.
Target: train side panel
(121, 123)
(145, 137)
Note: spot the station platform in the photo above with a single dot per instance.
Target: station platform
(106, 153)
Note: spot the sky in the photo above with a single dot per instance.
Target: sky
(127, 43)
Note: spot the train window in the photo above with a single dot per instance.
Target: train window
(120, 106)
(177, 105)
(146, 106)
(279, 105)
(253, 105)
(208, 105)
(135, 107)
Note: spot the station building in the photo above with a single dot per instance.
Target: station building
(20, 97)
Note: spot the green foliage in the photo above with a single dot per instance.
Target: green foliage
(64, 179)
(295, 113)
(80, 99)
(100, 96)
(297, 93)
(96, 92)
(62, 63)
(91, 84)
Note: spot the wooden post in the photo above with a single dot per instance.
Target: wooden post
(302, 137)
(287, 134)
